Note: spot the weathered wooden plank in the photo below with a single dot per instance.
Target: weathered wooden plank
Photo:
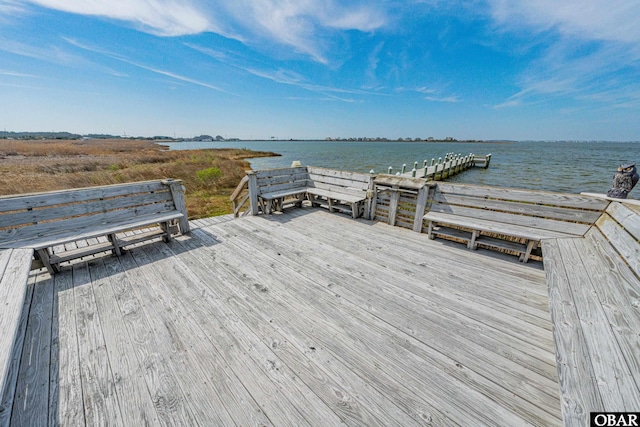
(544, 211)
(423, 194)
(623, 242)
(136, 405)
(283, 179)
(514, 230)
(177, 194)
(263, 366)
(169, 400)
(618, 289)
(99, 397)
(253, 193)
(217, 396)
(337, 182)
(350, 176)
(66, 400)
(400, 181)
(381, 331)
(47, 235)
(311, 332)
(618, 390)
(579, 393)
(11, 351)
(416, 299)
(515, 288)
(471, 296)
(531, 196)
(346, 189)
(338, 194)
(38, 200)
(81, 209)
(279, 172)
(626, 216)
(281, 188)
(293, 191)
(519, 223)
(341, 388)
(14, 272)
(31, 404)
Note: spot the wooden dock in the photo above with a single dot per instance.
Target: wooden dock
(300, 318)
(443, 168)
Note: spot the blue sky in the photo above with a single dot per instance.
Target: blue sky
(473, 69)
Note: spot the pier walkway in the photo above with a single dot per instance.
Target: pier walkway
(299, 318)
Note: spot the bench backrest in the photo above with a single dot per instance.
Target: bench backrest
(567, 213)
(276, 180)
(352, 183)
(620, 226)
(28, 216)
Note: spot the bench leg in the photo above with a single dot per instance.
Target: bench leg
(530, 246)
(354, 210)
(116, 245)
(166, 227)
(330, 204)
(472, 243)
(430, 230)
(43, 254)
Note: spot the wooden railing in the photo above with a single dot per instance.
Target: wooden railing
(442, 169)
(240, 197)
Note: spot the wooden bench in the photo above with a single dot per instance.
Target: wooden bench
(15, 265)
(338, 190)
(594, 299)
(508, 219)
(42, 221)
(270, 190)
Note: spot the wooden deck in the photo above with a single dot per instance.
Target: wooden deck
(303, 318)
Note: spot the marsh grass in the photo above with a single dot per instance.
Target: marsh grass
(35, 166)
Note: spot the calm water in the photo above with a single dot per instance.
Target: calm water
(571, 167)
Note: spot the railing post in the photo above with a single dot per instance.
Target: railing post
(253, 192)
(372, 198)
(421, 205)
(177, 193)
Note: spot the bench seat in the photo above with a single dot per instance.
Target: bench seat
(275, 200)
(45, 222)
(336, 195)
(495, 217)
(532, 235)
(351, 200)
(336, 190)
(15, 265)
(97, 230)
(284, 193)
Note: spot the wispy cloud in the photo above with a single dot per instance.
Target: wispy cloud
(613, 20)
(589, 44)
(281, 76)
(452, 99)
(299, 24)
(16, 74)
(161, 17)
(11, 7)
(161, 72)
